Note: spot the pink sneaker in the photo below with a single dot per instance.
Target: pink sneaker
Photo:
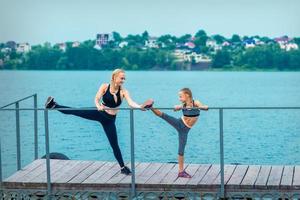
(184, 174)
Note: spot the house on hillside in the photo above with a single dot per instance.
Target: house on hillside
(23, 48)
(151, 42)
(103, 39)
(75, 44)
(249, 43)
(62, 47)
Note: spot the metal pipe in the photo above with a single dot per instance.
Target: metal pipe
(47, 154)
(133, 192)
(35, 128)
(212, 108)
(18, 136)
(18, 101)
(0, 164)
(222, 195)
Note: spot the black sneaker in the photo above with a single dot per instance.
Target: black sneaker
(125, 170)
(50, 103)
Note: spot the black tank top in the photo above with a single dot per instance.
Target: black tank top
(108, 99)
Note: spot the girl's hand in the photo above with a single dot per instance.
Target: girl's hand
(177, 107)
(205, 107)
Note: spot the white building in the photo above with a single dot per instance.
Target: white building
(23, 48)
(76, 44)
(123, 44)
(291, 46)
(151, 42)
(62, 46)
(213, 44)
(103, 39)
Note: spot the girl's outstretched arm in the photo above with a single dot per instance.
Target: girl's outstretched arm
(200, 105)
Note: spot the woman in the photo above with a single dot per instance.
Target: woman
(191, 111)
(112, 96)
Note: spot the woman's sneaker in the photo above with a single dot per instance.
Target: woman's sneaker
(148, 104)
(125, 170)
(50, 103)
(184, 174)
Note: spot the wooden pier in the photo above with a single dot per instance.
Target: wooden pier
(98, 175)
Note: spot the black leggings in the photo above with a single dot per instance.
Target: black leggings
(108, 123)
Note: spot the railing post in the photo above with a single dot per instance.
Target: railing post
(18, 136)
(0, 164)
(47, 154)
(133, 192)
(35, 128)
(222, 195)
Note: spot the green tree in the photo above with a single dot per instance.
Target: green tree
(221, 58)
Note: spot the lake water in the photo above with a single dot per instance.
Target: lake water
(250, 136)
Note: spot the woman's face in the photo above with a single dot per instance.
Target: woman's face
(120, 79)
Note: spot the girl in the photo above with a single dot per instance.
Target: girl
(191, 111)
(111, 96)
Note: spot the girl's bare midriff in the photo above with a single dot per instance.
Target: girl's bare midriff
(189, 121)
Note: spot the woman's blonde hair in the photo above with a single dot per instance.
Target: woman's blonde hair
(187, 91)
(115, 73)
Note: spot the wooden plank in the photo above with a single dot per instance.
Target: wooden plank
(191, 169)
(287, 177)
(118, 176)
(211, 175)
(296, 179)
(38, 171)
(146, 174)
(83, 175)
(102, 170)
(251, 176)
(228, 171)
(263, 176)
(171, 176)
(108, 174)
(24, 171)
(140, 168)
(237, 176)
(68, 165)
(68, 175)
(42, 178)
(275, 177)
(160, 174)
(200, 173)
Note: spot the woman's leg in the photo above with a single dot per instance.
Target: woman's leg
(86, 114)
(111, 133)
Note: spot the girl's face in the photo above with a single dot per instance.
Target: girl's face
(183, 97)
(120, 79)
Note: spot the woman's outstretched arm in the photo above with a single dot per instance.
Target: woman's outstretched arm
(130, 102)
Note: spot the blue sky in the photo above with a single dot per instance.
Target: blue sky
(38, 21)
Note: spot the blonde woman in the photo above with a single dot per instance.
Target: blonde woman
(111, 95)
(191, 111)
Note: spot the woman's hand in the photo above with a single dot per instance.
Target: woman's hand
(100, 107)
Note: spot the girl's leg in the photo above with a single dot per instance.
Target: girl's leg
(86, 114)
(180, 162)
(182, 136)
(156, 112)
(111, 133)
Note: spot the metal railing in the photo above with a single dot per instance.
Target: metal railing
(17, 109)
(17, 114)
